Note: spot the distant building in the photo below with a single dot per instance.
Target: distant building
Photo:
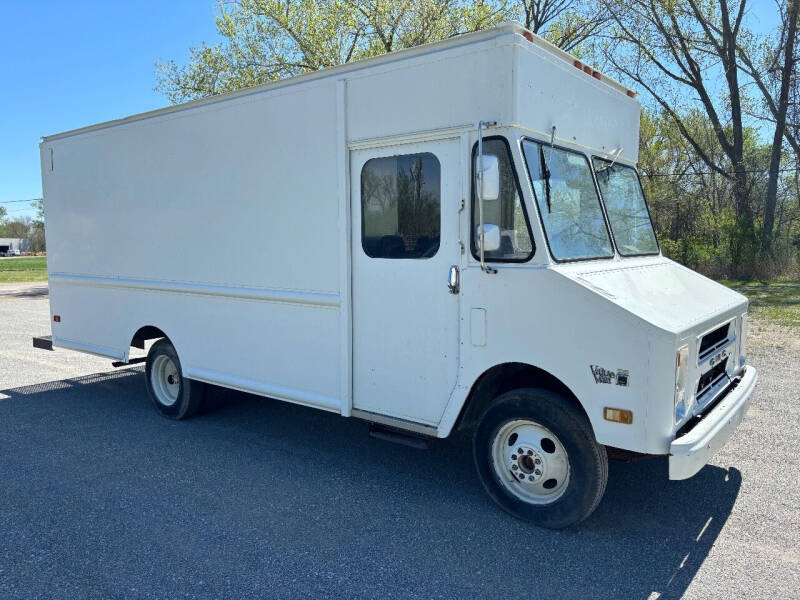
(14, 246)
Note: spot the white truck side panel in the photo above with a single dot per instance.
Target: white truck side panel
(585, 111)
(241, 193)
(284, 350)
(560, 327)
(445, 89)
(218, 225)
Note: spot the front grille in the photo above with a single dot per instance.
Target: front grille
(694, 421)
(711, 377)
(712, 341)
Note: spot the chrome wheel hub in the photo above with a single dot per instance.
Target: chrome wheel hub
(525, 463)
(530, 461)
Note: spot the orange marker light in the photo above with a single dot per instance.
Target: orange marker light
(596, 75)
(57, 318)
(528, 36)
(618, 415)
(578, 64)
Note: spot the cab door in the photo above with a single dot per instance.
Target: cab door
(405, 203)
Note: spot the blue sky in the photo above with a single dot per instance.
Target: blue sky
(73, 63)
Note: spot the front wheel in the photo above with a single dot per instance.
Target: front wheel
(173, 396)
(537, 457)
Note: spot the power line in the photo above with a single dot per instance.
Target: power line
(14, 201)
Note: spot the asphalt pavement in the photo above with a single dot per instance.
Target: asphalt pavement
(102, 498)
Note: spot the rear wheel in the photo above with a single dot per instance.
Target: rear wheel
(538, 459)
(173, 395)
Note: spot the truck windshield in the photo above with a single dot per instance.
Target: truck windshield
(626, 209)
(568, 202)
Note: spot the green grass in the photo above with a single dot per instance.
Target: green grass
(777, 301)
(23, 269)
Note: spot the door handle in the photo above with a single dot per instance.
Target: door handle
(453, 280)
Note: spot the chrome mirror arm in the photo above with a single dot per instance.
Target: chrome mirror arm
(479, 191)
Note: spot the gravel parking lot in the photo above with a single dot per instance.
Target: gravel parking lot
(102, 498)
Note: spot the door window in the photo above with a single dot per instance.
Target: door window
(401, 203)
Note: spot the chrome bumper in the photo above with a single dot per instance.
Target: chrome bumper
(690, 452)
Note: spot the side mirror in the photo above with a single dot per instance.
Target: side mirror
(490, 181)
(491, 237)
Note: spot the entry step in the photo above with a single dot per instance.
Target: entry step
(43, 342)
(397, 436)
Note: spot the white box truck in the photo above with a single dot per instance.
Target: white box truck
(448, 236)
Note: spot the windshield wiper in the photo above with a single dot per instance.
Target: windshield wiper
(546, 176)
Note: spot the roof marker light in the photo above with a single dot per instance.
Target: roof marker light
(578, 64)
(57, 318)
(527, 35)
(587, 69)
(631, 94)
(596, 75)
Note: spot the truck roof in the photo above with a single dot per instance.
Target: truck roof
(462, 39)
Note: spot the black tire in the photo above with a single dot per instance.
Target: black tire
(588, 460)
(188, 394)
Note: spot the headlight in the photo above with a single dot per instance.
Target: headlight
(681, 373)
(744, 330)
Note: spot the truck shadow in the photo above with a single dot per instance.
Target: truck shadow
(25, 291)
(259, 491)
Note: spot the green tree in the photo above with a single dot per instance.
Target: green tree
(699, 55)
(265, 40)
(15, 228)
(771, 63)
(693, 206)
(565, 23)
(36, 234)
(677, 52)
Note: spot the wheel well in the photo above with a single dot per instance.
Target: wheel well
(506, 377)
(148, 332)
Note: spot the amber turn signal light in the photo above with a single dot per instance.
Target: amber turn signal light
(618, 415)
